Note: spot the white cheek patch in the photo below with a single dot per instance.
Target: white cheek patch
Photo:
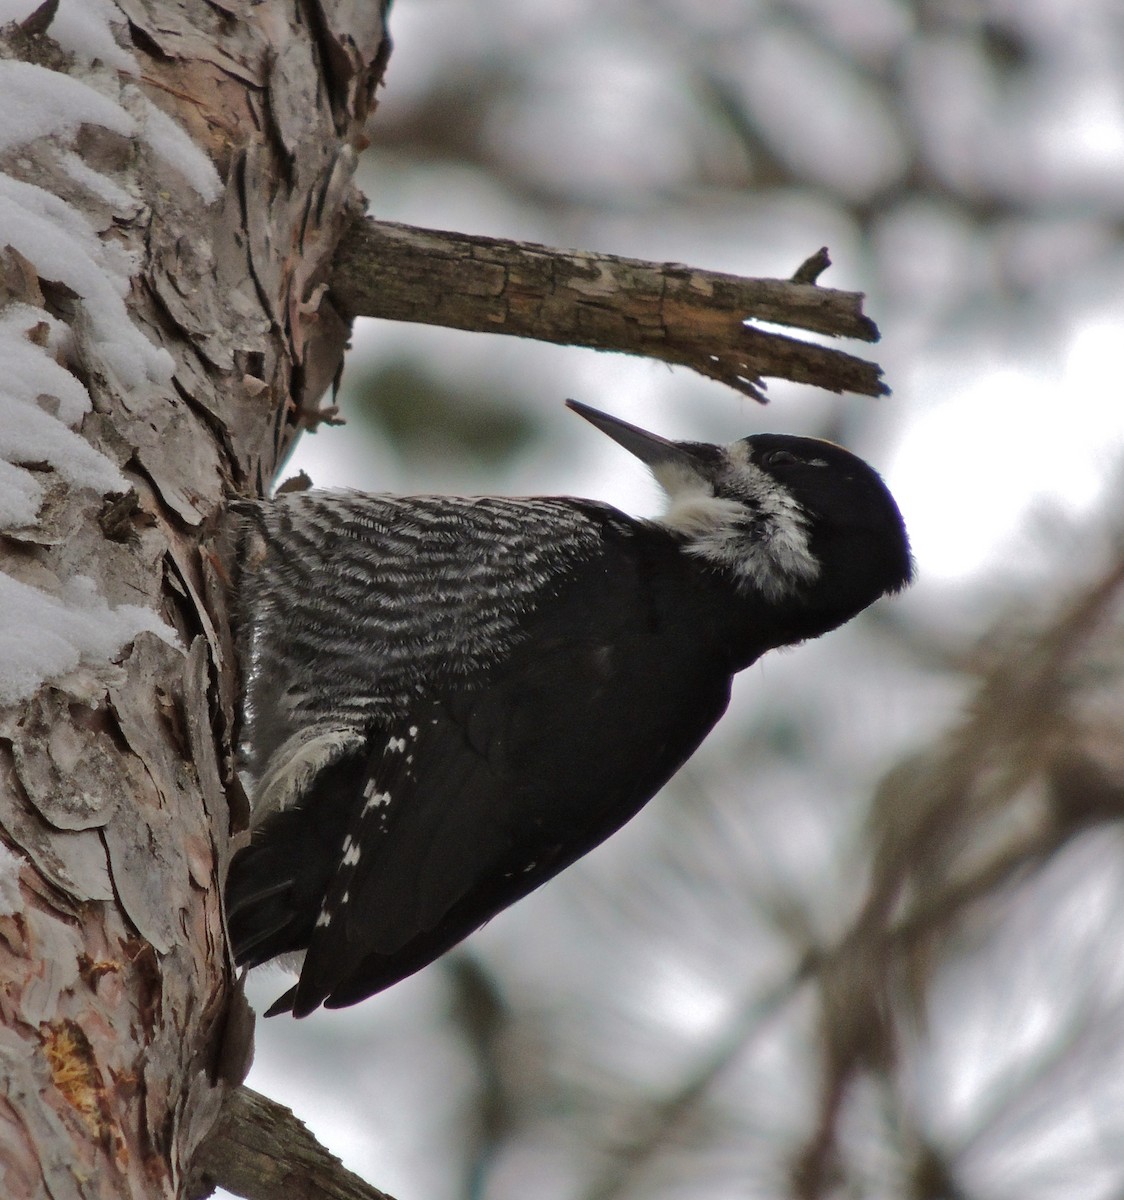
(699, 513)
(763, 540)
(676, 479)
(693, 508)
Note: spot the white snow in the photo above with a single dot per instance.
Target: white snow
(30, 370)
(65, 248)
(20, 496)
(169, 141)
(45, 638)
(39, 399)
(40, 103)
(83, 27)
(101, 185)
(30, 435)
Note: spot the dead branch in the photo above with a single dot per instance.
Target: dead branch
(667, 311)
(258, 1149)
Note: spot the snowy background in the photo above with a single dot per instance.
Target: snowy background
(643, 1026)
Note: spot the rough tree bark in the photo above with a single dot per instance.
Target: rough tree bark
(175, 181)
(175, 177)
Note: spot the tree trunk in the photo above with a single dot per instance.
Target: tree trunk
(174, 175)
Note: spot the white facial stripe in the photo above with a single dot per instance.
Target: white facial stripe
(676, 478)
(761, 538)
(694, 509)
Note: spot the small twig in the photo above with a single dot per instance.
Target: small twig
(258, 1149)
(812, 267)
(667, 311)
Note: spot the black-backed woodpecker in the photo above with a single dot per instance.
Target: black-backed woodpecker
(450, 699)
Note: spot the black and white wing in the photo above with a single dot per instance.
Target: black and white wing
(487, 756)
(355, 610)
(476, 799)
(352, 605)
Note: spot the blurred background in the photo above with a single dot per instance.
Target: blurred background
(870, 942)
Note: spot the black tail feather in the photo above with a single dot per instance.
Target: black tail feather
(277, 883)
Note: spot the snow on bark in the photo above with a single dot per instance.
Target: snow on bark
(50, 630)
(168, 212)
(48, 637)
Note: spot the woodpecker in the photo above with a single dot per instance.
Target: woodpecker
(450, 699)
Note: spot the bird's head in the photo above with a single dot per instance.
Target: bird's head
(797, 521)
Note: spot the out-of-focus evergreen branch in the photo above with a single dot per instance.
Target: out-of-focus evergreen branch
(944, 842)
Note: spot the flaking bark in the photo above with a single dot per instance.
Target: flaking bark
(115, 784)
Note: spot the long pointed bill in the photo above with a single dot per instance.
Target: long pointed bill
(650, 448)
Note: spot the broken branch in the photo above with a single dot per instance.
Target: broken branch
(666, 311)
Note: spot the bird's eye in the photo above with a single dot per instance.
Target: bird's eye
(780, 458)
